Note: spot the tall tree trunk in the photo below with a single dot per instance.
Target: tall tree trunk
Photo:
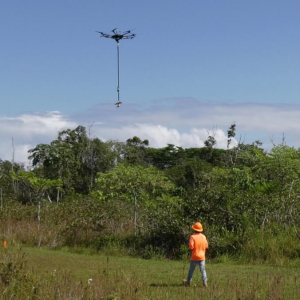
(135, 211)
(39, 214)
(39, 220)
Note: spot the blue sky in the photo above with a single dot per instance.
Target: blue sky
(194, 66)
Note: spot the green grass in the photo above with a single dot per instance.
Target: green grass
(54, 274)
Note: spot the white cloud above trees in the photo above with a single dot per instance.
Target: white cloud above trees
(24, 132)
(160, 136)
(184, 122)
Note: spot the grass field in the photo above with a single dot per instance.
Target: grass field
(54, 274)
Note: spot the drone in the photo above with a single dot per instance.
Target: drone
(117, 36)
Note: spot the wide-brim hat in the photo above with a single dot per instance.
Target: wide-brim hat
(197, 227)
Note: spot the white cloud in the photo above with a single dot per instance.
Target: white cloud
(253, 121)
(160, 136)
(19, 134)
(182, 122)
(21, 152)
(29, 125)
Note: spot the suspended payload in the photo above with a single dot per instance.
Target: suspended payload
(117, 36)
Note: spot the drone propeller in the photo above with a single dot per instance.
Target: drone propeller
(104, 34)
(130, 30)
(126, 37)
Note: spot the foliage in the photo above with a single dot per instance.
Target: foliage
(242, 195)
(166, 228)
(135, 151)
(36, 186)
(210, 142)
(230, 134)
(75, 159)
(134, 184)
(8, 186)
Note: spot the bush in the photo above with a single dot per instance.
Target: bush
(162, 231)
(271, 244)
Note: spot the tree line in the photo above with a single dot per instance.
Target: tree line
(243, 194)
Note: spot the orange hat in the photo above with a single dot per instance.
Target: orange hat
(197, 227)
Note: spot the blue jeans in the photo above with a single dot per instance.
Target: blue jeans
(193, 264)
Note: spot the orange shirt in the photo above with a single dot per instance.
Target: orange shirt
(198, 244)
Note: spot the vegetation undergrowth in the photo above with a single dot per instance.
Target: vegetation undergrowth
(127, 197)
(90, 226)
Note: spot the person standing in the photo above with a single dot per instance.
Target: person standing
(198, 244)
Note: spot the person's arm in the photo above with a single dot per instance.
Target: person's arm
(191, 243)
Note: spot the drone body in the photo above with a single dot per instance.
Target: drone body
(117, 36)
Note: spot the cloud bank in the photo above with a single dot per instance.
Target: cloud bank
(189, 117)
(184, 122)
(189, 113)
(24, 132)
(160, 136)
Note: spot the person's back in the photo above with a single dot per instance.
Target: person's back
(198, 244)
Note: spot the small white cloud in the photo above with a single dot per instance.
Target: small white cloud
(24, 132)
(30, 125)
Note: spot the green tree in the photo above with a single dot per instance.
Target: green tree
(230, 134)
(8, 187)
(277, 179)
(210, 142)
(37, 187)
(133, 183)
(75, 159)
(55, 161)
(167, 157)
(135, 151)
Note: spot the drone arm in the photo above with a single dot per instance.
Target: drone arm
(104, 34)
(126, 37)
